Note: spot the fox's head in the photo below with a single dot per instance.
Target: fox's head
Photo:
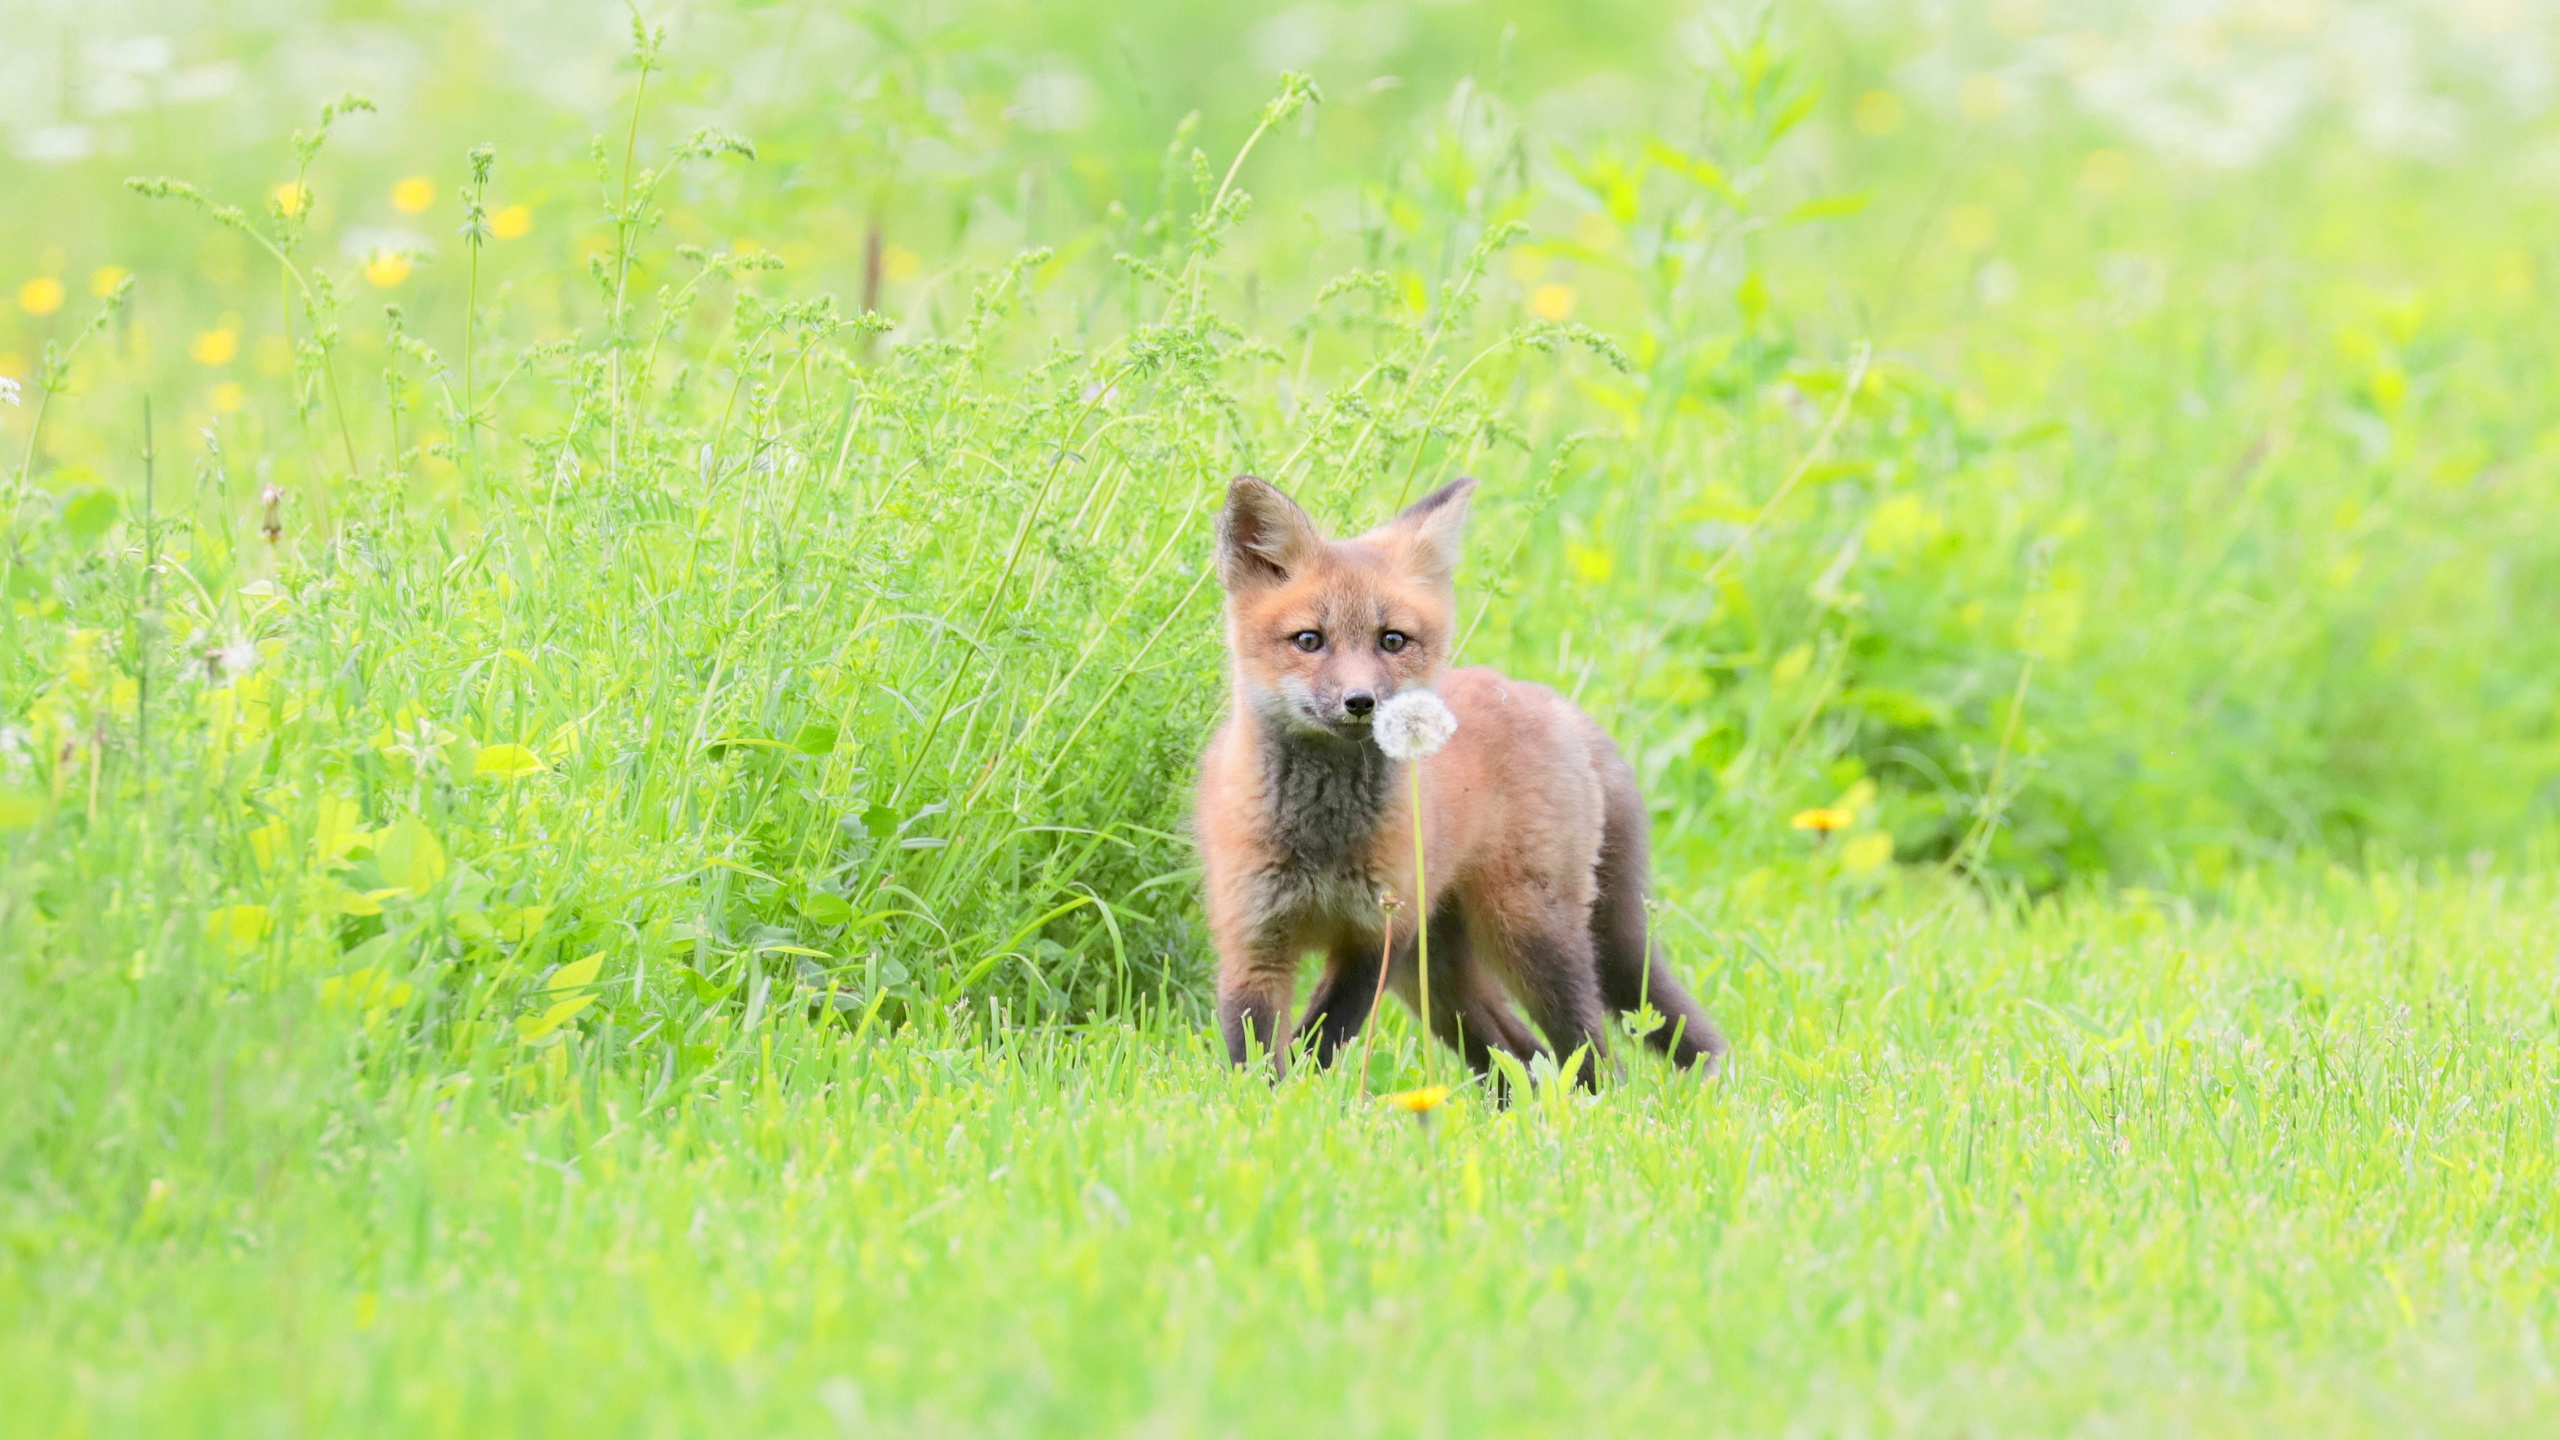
(1324, 630)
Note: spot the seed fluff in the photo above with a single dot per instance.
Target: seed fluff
(1413, 725)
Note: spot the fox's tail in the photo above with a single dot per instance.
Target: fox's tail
(1632, 972)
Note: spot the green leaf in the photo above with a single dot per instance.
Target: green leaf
(1751, 297)
(88, 513)
(1702, 171)
(410, 856)
(19, 811)
(881, 821)
(1829, 207)
(506, 762)
(826, 909)
(581, 971)
(1794, 114)
(532, 1028)
(815, 740)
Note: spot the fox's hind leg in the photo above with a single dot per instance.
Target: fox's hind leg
(1469, 1013)
(1632, 972)
(1552, 970)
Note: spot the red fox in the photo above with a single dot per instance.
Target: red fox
(1535, 834)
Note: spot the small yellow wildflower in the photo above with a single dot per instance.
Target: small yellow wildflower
(1422, 1101)
(900, 264)
(512, 222)
(104, 280)
(290, 197)
(1972, 226)
(227, 397)
(1552, 302)
(2105, 172)
(1878, 112)
(387, 269)
(413, 194)
(1822, 820)
(214, 347)
(1983, 97)
(40, 296)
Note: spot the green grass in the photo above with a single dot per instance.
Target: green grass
(591, 838)
(2100, 1169)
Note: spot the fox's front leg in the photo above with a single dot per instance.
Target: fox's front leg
(1343, 999)
(1255, 990)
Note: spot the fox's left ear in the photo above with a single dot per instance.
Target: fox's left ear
(1427, 537)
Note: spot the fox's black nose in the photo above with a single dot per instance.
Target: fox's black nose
(1360, 702)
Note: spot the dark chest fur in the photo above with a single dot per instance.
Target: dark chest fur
(1325, 798)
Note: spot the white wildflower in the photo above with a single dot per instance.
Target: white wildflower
(8, 391)
(1413, 725)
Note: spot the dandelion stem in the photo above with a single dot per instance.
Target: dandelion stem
(1421, 925)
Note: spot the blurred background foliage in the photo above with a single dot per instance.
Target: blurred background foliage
(748, 523)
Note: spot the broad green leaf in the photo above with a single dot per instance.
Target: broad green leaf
(581, 971)
(340, 827)
(506, 762)
(88, 513)
(410, 856)
(826, 909)
(533, 1027)
(815, 740)
(521, 924)
(1829, 207)
(238, 928)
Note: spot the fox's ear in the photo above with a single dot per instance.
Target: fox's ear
(1263, 537)
(1427, 537)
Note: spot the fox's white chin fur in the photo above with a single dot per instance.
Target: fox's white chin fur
(1292, 708)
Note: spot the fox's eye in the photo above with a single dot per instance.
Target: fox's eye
(1310, 641)
(1392, 641)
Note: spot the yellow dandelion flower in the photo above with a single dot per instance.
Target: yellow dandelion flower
(215, 347)
(2105, 172)
(104, 280)
(1878, 112)
(1422, 1101)
(1552, 302)
(1983, 97)
(413, 194)
(1822, 820)
(40, 296)
(511, 223)
(290, 197)
(1972, 226)
(387, 269)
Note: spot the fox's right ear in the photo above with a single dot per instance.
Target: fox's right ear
(1263, 537)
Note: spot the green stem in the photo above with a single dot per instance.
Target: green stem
(1421, 925)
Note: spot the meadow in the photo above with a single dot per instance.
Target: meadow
(608, 619)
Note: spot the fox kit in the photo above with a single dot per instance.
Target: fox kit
(1534, 832)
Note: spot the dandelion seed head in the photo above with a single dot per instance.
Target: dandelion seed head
(1413, 725)
(230, 662)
